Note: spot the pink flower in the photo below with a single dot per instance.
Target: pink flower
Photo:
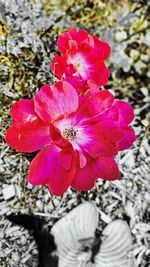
(78, 137)
(82, 57)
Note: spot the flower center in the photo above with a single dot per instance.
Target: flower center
(70, 133)
(79, 65)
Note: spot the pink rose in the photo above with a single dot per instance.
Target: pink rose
(82, 57)
(78, 137)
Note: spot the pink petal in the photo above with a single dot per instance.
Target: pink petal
(93, 87)
(102, 101)
(79, 36)
(128, 138)
(64, 41)
(94, 105)
(107, 169)
(96, 69)
(96, 143)
(56, 101)
(78, 83)
(22, 112)
(58, 139)
(103, 48)
(112, 131)
(48, 168)
(28, 133)
(29, 137)
(104, 168)
(82, 160)
(84, 178)
(83, 87)
(125, 112)
(103, 73)
(59, 66)
(110, 114)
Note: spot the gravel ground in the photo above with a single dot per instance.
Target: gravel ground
(28, 33)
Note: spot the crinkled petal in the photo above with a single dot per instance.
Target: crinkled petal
(107, 169)
(104, 168)
(58, 138)
(125, 112)
(30, 137)
(93, 87)
(93, 105)
(98, 72)
(22, 112)
(65, 40)
(85, 177)
(82, 87)
(28, 133)
(53, 167)
(79, 84)
(82, 160)
(103, 47)
(55, 102)
(128, 138)
(59, 66)
(96, 143)
(112, 131)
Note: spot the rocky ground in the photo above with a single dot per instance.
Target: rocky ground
(28, 34)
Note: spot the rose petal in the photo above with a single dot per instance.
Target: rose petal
(59, 66)
(97, 72)
(95, 141)
(56, 101)
(125, 112)
(82, 160)
(79, 84)
(84, 178)
(48, 168)
(105, 168)
(30, 137)
(64, 40)
(23, 112)
(128, 138)
(103, 48)
(94, 105)
(28, 133)
(112, 131)
(58, 139)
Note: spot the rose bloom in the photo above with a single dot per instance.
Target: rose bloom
(78, 137)
(82, 58)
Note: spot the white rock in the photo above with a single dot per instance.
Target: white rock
(144, 91)
(147, 39)
(120, 35)
(9, 192)
(138, 66)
